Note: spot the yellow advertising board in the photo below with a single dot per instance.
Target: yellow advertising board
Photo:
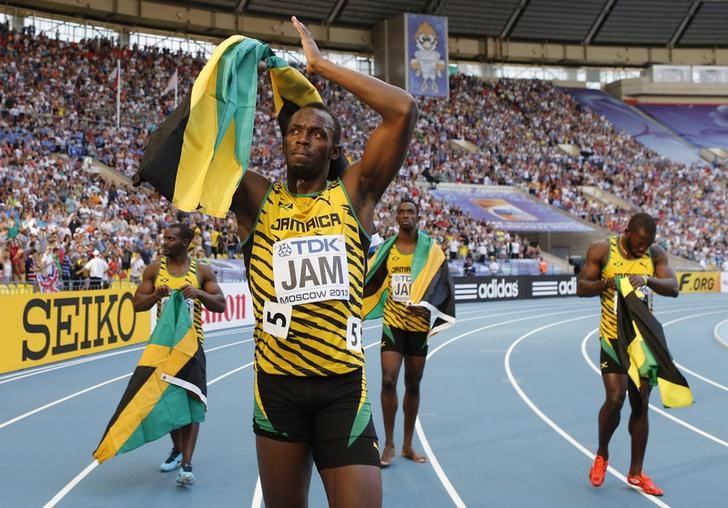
(699, 282)
(41, 328)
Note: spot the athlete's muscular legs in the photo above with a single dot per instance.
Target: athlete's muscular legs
(615, 388)
(391, 363)
(285, 472)
(414, 367)
(638, 424)
(356, 486)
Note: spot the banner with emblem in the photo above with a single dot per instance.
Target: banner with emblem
(427, 56)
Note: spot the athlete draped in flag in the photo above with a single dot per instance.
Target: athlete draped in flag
(178, 271)
(399, 268)
(305, 243)
(634, 256)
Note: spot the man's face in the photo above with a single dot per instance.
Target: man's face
(407, 217)
(309, 143)
(172, 243)
(637, 242)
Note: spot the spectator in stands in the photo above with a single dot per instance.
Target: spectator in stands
(518, 145)
(32, 263)
(7, 266)
(17, 257)
(96, 268)
(453, 247)
(543, 267)
(232, 243)
(66, 272)
(493, 266)
(136, 269)
(468, 267)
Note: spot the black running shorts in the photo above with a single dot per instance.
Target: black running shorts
(404, 342)
(607, 364)
(331, 413)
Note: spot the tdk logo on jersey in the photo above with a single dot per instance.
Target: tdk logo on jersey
(498, 289)
(309, 246)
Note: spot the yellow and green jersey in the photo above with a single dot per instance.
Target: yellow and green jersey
(306, 265)
(164, 278)
(396, 313)
(618, 265)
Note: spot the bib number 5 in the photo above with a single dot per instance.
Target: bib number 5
(353, 334)
(276, 319)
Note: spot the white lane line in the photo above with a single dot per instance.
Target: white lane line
(80, 476)
(14, 376)
(77, 479)
(59, 401)
(48, 368)
(65, 490)
(658, 410)
(257, 495)
(258, 490)
(682, 367)
(439, 471)
(723, 342)
(576, 444)
(94, 387)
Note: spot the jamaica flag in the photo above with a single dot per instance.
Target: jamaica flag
(168, 389)
(432, 285)
(197, 157)
(642, 350)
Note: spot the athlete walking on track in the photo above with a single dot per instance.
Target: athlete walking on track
(177, 270)
(634, 255)
(305, 243)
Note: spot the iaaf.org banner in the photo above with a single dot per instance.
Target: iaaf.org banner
(699, 282)
(238, 309)
(494, 288)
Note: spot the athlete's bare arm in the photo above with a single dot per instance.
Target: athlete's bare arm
(367, 179)
(590, 281)
(146, 294)
(209, 293)
(664, 282)
(247, 201)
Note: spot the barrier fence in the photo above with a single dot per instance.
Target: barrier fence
(40, 328)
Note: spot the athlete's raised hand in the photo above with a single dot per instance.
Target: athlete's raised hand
(310, 48)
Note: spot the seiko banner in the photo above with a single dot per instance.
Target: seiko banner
(494, 288)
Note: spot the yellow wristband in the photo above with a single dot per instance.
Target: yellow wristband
(645, 278)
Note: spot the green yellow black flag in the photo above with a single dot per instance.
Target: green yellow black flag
(197, 157)
(641, 348)
(432, 284)
(168, 389)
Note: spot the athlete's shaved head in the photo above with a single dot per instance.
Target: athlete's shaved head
(642, 222)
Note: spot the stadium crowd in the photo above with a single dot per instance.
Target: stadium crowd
(57, 106)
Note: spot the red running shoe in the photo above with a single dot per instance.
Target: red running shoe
(598, 471)
(644, 482)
